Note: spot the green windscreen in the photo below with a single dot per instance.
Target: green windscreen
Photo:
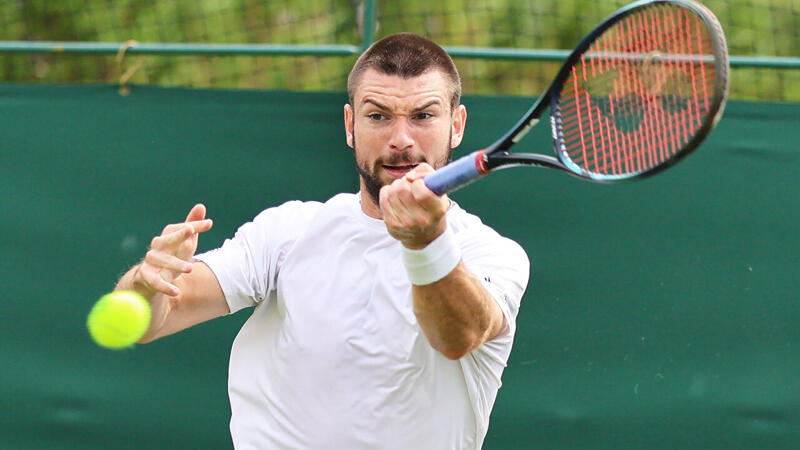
(661, 314)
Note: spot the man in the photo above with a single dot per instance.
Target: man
(382, 319)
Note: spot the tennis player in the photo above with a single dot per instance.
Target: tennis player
(382, 319)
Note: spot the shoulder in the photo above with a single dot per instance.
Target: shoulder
(468, 226)
(479, 240)
(291, 211)
(292, 217)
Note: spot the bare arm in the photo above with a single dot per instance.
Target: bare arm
(456, 313)
(182, 293)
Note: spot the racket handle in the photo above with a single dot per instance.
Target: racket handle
(458, 173)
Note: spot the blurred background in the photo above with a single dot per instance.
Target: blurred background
(755, 28)
(661, 314)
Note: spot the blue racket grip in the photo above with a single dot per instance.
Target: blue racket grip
(457, 174)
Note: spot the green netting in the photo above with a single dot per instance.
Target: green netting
(754, 27)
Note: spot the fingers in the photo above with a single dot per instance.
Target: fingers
(173, 235)
(399, 206)
(422, 195)
(419, 172)
(159, 268)
(151, 277)
(164, 260)
(171, 252)
(198, 212)
(412, 212)
(389, 208)
(196, 218)
(200, 226)
(428, 199)
(170, 240)
(412, 203)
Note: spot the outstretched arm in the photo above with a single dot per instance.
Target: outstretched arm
(182, 292)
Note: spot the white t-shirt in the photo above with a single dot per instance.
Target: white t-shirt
(332, 356)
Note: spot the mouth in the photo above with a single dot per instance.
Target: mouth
(398, 171)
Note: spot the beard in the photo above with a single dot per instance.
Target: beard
(372, 180)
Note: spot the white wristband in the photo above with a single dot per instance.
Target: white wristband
(433, 262)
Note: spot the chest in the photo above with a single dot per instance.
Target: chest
(344, 289)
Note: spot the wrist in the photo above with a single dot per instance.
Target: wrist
(418, 242)
(433, 262)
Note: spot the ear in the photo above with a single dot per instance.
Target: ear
(348, 124)
(459, 122)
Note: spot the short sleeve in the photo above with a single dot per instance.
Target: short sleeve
(502, 266)
(247, 265)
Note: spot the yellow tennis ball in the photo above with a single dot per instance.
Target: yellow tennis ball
(119, 319)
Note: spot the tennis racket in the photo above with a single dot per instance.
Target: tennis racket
(638, 93)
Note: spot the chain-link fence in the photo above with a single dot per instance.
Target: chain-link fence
(764, 28)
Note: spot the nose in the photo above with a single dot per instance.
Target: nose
(401, 138)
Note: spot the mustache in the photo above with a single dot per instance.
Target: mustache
(400, 159)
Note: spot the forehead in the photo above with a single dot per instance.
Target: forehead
(380, 86)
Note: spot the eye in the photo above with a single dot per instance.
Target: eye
(424, 115)
(376, 116)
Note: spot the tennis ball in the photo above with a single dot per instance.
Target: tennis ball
(119, 319)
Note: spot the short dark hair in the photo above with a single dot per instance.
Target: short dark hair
(406, 55)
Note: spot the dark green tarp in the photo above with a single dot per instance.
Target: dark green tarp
(661, 314)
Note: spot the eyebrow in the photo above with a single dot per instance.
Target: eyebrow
(380, 106)
(427, 105)
(417, 109)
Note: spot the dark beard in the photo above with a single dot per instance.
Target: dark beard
(371, 180)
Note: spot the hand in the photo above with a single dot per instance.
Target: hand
(413, 214)
(171, 253)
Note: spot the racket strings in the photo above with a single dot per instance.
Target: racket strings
(640, 92)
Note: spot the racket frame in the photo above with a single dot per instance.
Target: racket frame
(496, 156)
